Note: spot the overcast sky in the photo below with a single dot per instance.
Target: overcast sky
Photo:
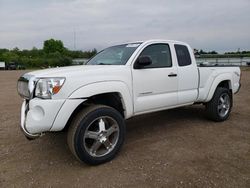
(220, 25)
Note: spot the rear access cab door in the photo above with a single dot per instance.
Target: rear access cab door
(188, 75)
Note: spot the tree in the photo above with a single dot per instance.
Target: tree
(213, 52)
(10, 56)
(202, 52)
(90, 53)
(93, 52)
(52, 46)
(16, 49)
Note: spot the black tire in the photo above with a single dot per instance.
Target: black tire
(91, 117)
(213, 106)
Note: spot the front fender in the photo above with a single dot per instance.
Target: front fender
(96, 88)
(220, 78)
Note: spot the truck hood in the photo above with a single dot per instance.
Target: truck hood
(80, 76)
(72, 70)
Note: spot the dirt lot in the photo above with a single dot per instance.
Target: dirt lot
(175, 148)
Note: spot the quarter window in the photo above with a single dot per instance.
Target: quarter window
(183, 55)
(159, 54)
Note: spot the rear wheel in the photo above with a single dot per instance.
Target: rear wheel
(219, 108)
(96, 134)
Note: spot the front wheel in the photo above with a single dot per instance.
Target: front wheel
(96, 134)
(219, 108)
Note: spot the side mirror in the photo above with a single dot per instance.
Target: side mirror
(142, 61)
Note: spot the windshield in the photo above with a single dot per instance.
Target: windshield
(115, 55)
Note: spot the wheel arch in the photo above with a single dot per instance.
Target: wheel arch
(115, 88)
(111, 99)
(224, 81)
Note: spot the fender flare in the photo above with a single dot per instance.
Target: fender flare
(103, 87)
(220, 78)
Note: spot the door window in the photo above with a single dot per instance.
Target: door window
(183, 55)
(159, 54)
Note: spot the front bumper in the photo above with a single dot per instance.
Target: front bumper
(23, 117)
(39, 115)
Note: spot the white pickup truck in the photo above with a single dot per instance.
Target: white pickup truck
(93, 101)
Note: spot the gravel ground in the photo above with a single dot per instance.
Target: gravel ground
(174, 148)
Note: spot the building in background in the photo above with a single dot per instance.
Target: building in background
(79, 61)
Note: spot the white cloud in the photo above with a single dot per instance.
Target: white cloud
(220, 25)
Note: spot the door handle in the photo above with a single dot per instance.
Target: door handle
(172, 74)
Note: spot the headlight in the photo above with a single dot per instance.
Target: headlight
(46, 87)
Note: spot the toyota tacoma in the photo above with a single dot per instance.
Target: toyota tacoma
(93, 101)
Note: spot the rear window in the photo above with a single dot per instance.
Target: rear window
(183, 55)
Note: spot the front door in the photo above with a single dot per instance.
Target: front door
(155, 86)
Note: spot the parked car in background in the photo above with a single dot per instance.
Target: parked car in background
(15, 66)
(11, 66)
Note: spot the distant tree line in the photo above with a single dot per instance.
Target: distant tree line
(213, 54)
(202, 52)
(52, 54)
(239, 52)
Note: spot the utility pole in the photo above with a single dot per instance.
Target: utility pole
(74, 39)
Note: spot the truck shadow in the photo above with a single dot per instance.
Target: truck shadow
(138, 127)
(175, 117)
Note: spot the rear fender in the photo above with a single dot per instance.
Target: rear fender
(220, 78)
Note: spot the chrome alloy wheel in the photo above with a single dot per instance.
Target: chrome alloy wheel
(101, 136)
(224, 105)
